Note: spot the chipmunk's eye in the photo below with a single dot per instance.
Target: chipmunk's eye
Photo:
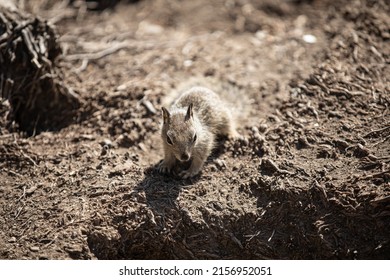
(194, 139)
(169, 140)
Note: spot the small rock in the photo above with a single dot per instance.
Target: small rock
(31, 190)
(12, 239)
(308, 38)
(263, 127)
(302, 142)
(146, 27)
(86, 137)
(188, 63)
(34, 248)
(107, 142)
(104, 150)
(121, 87)
(244, 141)
(261, 35)
(142, 147)
(149, 106)
(213, 168)
(220, 163)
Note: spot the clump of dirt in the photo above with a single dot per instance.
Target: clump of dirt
(311, 179)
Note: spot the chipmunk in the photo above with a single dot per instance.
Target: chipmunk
(190, 128)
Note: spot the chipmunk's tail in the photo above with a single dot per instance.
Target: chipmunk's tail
(234, 96)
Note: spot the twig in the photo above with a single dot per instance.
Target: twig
(67, 14)
(99, 54)
(385, 199)
(6, 135)
(314, 80)
(251, 236)
(27, 40)
(235, 240)
(382, 141)
(134, 44)
(375, 175)
(272, 235)
(149, 106)
(83, 66)
(12, 172)
(23, 194)
(267, 163)
(376, 131)
(51, 242)
(29, 158)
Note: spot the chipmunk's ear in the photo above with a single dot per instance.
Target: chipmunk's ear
(189, 113)
(166, 115)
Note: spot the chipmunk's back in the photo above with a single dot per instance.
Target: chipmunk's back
(208, 107)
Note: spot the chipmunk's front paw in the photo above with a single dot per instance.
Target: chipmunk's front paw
(185, 174)
(236, 137)
(165, 167)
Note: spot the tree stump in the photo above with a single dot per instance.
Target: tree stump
(30, 80)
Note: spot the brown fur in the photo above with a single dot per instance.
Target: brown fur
(198, 111)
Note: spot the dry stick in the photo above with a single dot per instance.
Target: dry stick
(125, 45)
(382, 141)
(12, 172)
(28, 157)
(14, 36)
(99, 54)
(376, 131)
(272, 235)
(371, 176)
(7, 24)
(55, 19)
(275, 167)
(385, 199)
(23, 195)
(83, 66)
(319, 83)
(27, 39)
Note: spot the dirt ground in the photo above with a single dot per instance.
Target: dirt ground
(311, 180)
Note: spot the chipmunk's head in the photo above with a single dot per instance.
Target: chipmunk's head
(179, 132)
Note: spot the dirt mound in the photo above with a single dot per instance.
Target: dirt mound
(311, 180)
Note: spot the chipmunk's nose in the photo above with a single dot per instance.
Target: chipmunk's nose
(185, 157)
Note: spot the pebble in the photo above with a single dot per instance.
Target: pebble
(188, 63)
(34, 248)
(308, 38)
(121, 87)
(149, 28)
(220, 163)
(245, 141)
(107, 142)
(12, 239)
(263, 127)
(31, 190)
